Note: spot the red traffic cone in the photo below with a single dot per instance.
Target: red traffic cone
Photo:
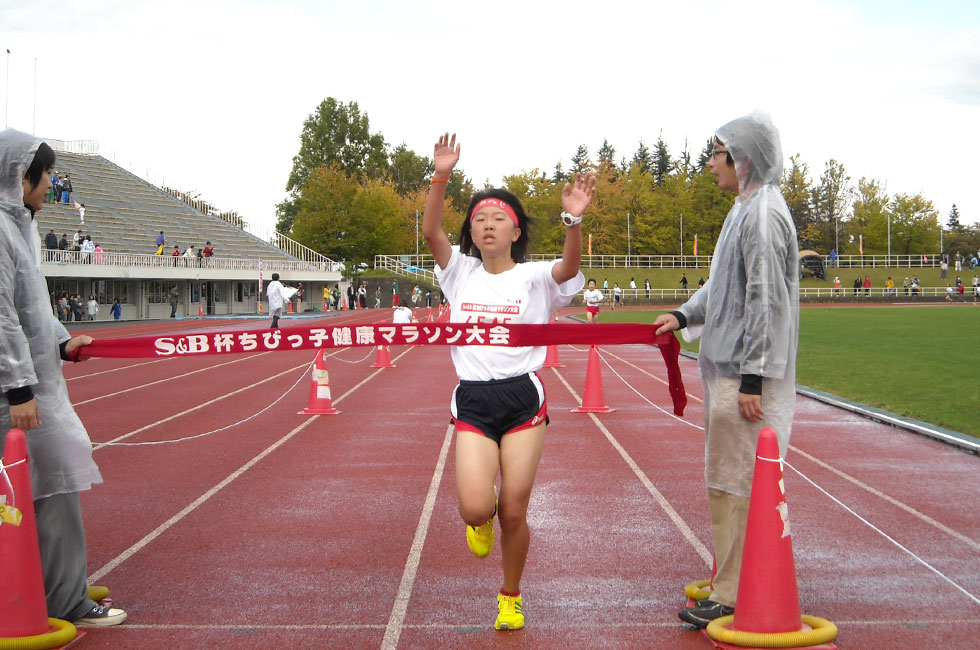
(289, 309)
(768, 600)
(200, 310)
(383, 359)
(23, 609)
(551, 358)
(428, 317)
(594, 400)
(446, 313)
(320, 403)
(324, 304)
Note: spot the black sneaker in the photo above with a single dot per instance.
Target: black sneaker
(700, 615)
(102, 616)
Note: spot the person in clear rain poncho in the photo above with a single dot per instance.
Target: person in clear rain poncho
(33, 393)
(747, 316)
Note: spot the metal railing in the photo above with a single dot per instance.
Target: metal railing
(406, 265)
(635, 296)
(135, 260)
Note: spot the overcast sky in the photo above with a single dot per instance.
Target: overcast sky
(211, 95)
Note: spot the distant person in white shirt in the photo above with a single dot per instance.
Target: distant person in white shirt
(403, 314)
(592, 299)
(278, 295)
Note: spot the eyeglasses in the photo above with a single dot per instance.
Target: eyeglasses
(718, 152)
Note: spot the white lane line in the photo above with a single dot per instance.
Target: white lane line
(103, 372)
(166, 379)
(162, 528)
(895, 502)
(648, 374)
(686, 530)
(396, 622)
(886, 536)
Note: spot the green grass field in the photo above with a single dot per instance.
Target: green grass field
(921, 362)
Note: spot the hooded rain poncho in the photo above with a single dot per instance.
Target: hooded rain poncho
(60, 450)
(748, 311)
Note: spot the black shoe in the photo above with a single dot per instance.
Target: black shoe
(700, 615)
(102, 616)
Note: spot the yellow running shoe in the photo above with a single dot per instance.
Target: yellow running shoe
(509, 613)
(480, 539)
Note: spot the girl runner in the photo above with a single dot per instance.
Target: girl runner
(592, 299)
(499, 407)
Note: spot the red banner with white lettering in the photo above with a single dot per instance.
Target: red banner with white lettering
(342, 336)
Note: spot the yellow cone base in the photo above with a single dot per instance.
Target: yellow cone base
(814, 633)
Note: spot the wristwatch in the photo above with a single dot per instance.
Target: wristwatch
(569, 220)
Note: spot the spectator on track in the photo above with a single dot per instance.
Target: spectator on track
(684, 282)
(377, 297)
(646, 285)
(403, 314)
(35, 395)
(92, 307)
(173, 297)
(498, 407)
(116, 309)
(748, 340)
(867, 287)
(278, 295)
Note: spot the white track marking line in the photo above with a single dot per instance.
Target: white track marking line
(162, 528)
(895, 502)
(648, 374)
(396, 622)
(161, 381)
(685, 530)
(103, 372)
(886, 536)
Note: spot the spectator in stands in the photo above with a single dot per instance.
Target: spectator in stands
(81, 212)
(905, 285)
(867, 287)
(208, 252)
(160, 243)
(857, 287)
(51, 241)
(53, 192)
(66, 189)
(116, 309)
(700, 282)
(684, 282)
(915, 286)
(92, 306)
(890, 286)
(63, 244)
(190, 252)
(173, 297)
(633, 288)
(175, 254)
(98, 254)
(76, 240)
(87, 249)
(78, 307)
(646, 285)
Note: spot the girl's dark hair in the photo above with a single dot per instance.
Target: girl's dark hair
(42, 163)
(728, 156)
(518, 249)
(590, 280)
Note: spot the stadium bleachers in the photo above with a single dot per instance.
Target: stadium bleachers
(124, 214)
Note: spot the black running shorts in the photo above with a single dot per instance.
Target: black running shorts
(498, 407)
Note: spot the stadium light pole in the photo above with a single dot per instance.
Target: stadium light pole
(416, 237)
(629, 240)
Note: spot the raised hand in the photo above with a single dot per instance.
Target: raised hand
(575, 197)
(445, 156)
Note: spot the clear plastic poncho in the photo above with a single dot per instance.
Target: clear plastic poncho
(60, 450)
(747, 313)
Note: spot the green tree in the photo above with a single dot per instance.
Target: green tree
(831, 200)
(915, 225)
(662, 164)
(607, 154)
(580, 161)
(871, 217)
(559, 176)
(542, 202)
(953, 221)
(642, 157)
(705, 156)
(334, 133)
(409, 172)
(798, 192)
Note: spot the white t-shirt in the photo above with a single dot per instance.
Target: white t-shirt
(592, 297)
(278, 294)
(525, 294)
(402, 315)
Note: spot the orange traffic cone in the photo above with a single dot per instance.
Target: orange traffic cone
(290, 306)
(428, 317)
(324, 304)
(594, 400)
(23, 609)
(200, 310)
(768, 599)
(551, 358)
(320, 403)
(383, 359)
(260, 308)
